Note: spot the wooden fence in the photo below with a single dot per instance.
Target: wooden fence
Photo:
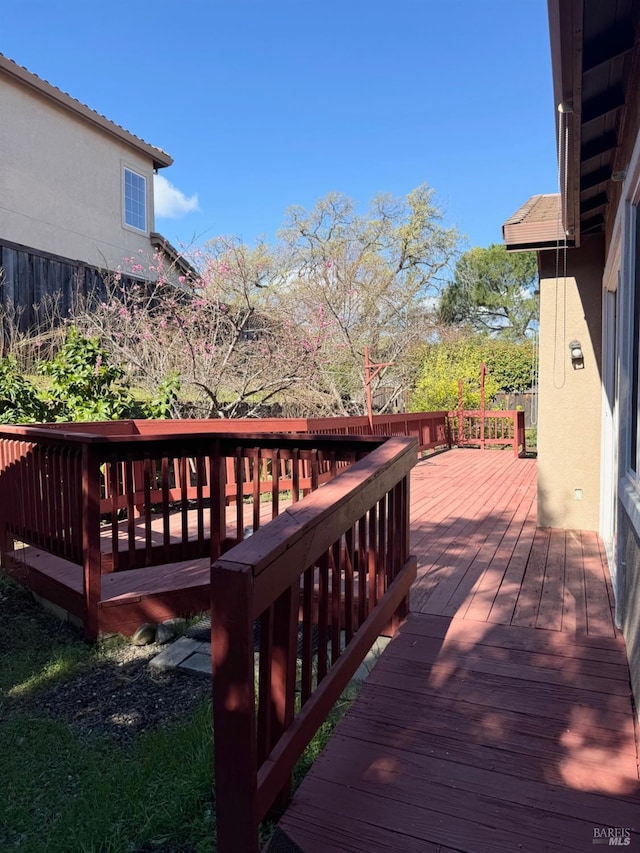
(31, 278)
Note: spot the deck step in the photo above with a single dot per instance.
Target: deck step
(134, 584)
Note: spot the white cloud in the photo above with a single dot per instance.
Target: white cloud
(169, 201)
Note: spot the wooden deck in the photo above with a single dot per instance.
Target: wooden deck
(129, 598)
(500, 717)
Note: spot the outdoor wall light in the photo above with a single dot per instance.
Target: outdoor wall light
(577, 356)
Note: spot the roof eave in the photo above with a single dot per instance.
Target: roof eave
(565, 27)
(534, 237)
(64, 101)
(160, 242)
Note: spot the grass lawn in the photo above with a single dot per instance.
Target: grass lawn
(73, 780)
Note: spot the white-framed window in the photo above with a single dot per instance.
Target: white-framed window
(627, 231)
(629, 323)
(135, 200)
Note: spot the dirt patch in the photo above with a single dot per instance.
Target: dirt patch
(122, 696)
(112, 692)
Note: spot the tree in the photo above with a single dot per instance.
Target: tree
(224, 336)
(286, 324)
(493, 292)
(444, 364)
(82, 385)
(363, 280)
(510, 363)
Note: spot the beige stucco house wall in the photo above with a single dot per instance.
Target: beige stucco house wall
(61, 174)
(569, 420)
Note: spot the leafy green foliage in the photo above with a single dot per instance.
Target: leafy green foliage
(84, 385)
(493, 291)
(508, 369)
(509, 363)
(20, 402)
(444, 364)
(165, 400)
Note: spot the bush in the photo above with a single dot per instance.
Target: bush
(444, 363)
(84, 386)
(20, 402)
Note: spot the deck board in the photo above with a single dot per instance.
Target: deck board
(500, 717)
(457, 741)
(473, 530)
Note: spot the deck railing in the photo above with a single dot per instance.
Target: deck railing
(124, 495)
(117, 502)
(337, 564)
(477, 428)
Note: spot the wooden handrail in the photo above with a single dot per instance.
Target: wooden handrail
(490, 428)
(339, 559)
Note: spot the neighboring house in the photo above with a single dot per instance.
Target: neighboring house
(76, 192)
(588, 239)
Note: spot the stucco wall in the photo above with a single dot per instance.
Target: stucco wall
(61, 183)
(570, 400)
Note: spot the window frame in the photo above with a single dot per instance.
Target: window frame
(129, 225)
(627, 230)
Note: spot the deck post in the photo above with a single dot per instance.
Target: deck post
(91, 539)
(519, 434)
(234, 718)
(6, 487)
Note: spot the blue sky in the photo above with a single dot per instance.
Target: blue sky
(267, 103)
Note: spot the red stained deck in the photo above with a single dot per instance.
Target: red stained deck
(500, 717)
(129, 598)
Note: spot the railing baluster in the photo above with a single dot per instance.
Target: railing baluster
(307, 634)
(323, 614)
(166, 530)
(362, 570)
(348, 556)
(336, 600)
(265, 705)
(184, 506)
(275, 483)
(131, 514)
(295, 475)
(239, 495)
(200, 475)
(256, 466)
(146, 483)
(59, 541)
(112, 487)
(283, 672)
(382, 547)
(373, 558)
(217, 503)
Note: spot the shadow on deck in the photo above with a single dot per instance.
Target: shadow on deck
(500, 717)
